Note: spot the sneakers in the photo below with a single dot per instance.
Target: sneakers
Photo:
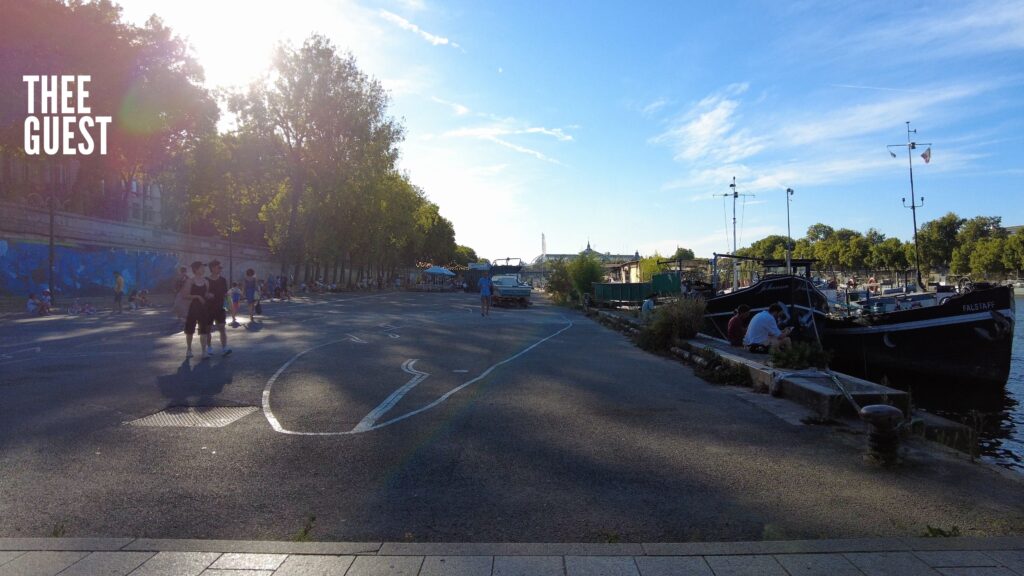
(188, 354)
(209, 351)
(225, 351)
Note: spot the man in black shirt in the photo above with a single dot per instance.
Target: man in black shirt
(219, 289)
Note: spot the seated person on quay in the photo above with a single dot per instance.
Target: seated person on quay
(763, 333)
(738, 325)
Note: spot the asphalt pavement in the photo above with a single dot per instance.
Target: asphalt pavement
(409, 417)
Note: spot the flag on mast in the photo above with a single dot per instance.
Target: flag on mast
(927, 155)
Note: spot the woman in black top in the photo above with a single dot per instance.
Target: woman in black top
(198, 294)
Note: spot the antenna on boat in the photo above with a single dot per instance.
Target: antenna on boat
(911, 145)
(735, 194)
(789, 235)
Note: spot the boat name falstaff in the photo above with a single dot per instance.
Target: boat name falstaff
(979, 307)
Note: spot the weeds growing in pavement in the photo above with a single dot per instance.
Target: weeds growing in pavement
(672, 322)
(934, 532)
(801, 355)
(718, 371)
(304, 534)
(59, 529)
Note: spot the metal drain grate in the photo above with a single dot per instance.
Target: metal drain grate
(194, 417)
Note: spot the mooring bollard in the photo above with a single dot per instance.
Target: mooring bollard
(884, 438)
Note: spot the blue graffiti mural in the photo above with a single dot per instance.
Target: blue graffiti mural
(81, 270)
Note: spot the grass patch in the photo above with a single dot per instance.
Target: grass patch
(801, 355)
(304, 534)
(672, 322)
(935, 532)
(718, 371)
(59, 530)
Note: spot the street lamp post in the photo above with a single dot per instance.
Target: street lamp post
(53, 192)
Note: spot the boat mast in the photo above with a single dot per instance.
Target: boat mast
(911, 146)
(735, 266)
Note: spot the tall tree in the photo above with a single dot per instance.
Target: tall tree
(937, 239)
(331, 123)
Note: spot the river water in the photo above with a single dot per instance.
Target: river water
(1000, 421)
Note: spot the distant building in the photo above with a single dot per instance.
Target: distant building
(604, 258)
(1014, 229)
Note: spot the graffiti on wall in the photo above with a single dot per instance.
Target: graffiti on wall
(81, 270)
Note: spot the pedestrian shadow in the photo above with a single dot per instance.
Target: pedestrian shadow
(196, 382)
(253, 326)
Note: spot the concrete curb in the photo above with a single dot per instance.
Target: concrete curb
(517, 549)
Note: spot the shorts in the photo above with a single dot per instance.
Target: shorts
(758, 348)
(197, 316)
(216, 316)
(117, 297)
(250, 296)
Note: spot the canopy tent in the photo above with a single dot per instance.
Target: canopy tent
(439, 271)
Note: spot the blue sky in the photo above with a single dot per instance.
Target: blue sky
(619, 122)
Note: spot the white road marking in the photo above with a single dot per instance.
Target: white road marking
(483, 375)
(370, 419)
(460, 371)
(276, 425)
(356, 339)
(392, 335)
(270, 383)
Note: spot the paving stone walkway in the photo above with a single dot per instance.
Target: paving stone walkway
(1000, 556)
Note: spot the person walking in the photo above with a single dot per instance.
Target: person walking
(283, 283)
(236, 297)
(118, 293)
(249, 287)
(215, 308)
(198, 292)
(486, 287)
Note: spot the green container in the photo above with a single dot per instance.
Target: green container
(619, 294)
(665, 283)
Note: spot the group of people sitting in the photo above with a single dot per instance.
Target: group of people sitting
(39, 305)
(759, 332)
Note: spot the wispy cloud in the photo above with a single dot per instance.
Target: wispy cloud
(524, 150)
(708, 131)
(500, 130)
(962, 30)
(406, 25)
(653, 107)
(459, 109)
(413, 5)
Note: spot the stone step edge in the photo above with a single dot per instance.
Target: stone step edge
(904, 544)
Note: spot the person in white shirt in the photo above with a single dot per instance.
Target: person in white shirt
(647, 309)
(763, 332)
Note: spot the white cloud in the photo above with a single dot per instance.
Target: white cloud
(524, 150)
(962, 30)
(653, 107)
(500, 130)
(459, 109)
(406, 25)
(413, 5)
(708, 131)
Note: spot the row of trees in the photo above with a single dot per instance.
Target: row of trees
(980, 246)
(310, 168)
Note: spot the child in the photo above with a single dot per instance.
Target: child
(236, 296)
